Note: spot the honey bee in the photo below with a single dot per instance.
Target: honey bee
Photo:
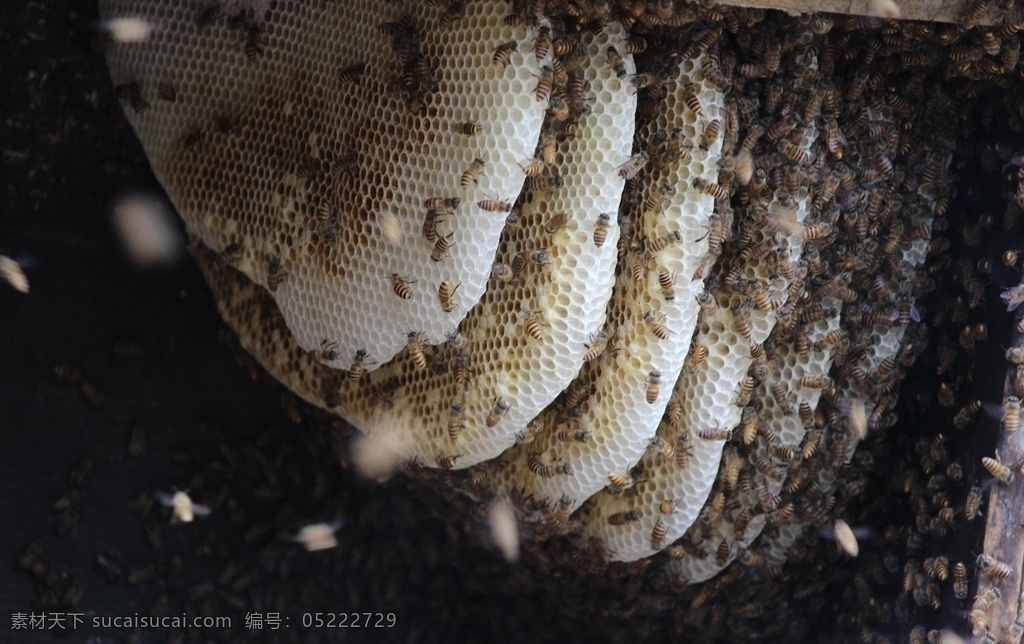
(972, 503)
(549, 470)
(601, 230)
(845, 538)
(714, 433)
(469, 176)
(658, 534)
(997, 469)
(667, 283)
(183, 508)
(542, 45)
(660, 243)
(1011, 414)
(816, 382)
(707, 302)
(973, 14)
(352, 73)
(67, 372)
(632, 167)
(275, 275)
(653, 386)
(445, 293)
(543, 90)
(494, 205)
(621, 481)
(596, 347)
(209, 15)
(719, 192)
(132, 92)
(690, 98)
(624, 517)
(167, 92)
(447, 462)
(793, 153)
(442, 204)
(992, 567)
(318, 536)
(328, 352)
(572, 435)
(960, 580)
(415, 346)
(441, 246)
(533, 324)
(356, 369)
(616, 62)
(654, 321)
(253, 46)
(781, 397)
(455, 423)
(710, 134)
(504, 51)
(400, 286)
(498, 410)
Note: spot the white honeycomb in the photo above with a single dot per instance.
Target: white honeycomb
(367, 113)
(647, 332)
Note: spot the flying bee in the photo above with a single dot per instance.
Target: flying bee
(504, 51)
(601, 230)
(655, 323)
(667, 283)
(494, 205)
(328, 352)
(441, 246)
(400, 286)
(445, 293)
(997, 469)
(498, 410)
(691, 100)
(543, 90)
(616, 62)
(415, 346)
(992, 567)
(455, 422)
(184, 509)
(653, 386)
(658, 534)
(632, 167)
(469, 176)
(624, 517)
(356, 369)
(710, 134)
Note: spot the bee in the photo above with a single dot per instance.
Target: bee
(543, 90)
(462, 369)
(793, 153)
(415, 345)
(542, 45)
(184, 509)
(596, 347)
(658, 534)
(549, 470)
(167, 92)
(533, 324)
(445, 293)
(356, 369)
(441, 246)
(275, 275)
(742, 324)
(494, 205)
(997, 469)
(253, 46)
(619, 480)
(719, 192)
(67, 372)
(616, 62)
(455, 424)
(653, 386)
(632, 167)
(816, 382)
(845, 538)
(993, 567)
(691, 100)
(972, 503)
(318, 536)
(532, 167)
(498, 410)
(132, 92)
(469, 176)
(960, 580)
(654, 322)
(714, 433)
(601, 230)
(447, 462)
(622, 518)
(710, 134)
(400, 286)
(1011, 414)
(973, 14)
(707, 302)
(445, 204)
(352, 73)
(667, 283)
(209, 15)
(452, 12)
(572, 435)
(503, 52)
(327, 352)
(662, 242)
(556, 222)
(93, 394)
(469, 128)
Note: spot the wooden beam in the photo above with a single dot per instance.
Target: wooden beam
(928, 10)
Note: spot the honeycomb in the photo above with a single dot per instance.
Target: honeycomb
(329, 216)
(658, 302)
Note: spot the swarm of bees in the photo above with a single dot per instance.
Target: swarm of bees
(827, 162)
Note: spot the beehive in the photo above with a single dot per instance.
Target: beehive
(783, 261)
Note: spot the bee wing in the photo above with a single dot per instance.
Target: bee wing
(165, 498)
(200, 509)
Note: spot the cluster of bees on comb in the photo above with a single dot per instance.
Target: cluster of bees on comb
(786, 228)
